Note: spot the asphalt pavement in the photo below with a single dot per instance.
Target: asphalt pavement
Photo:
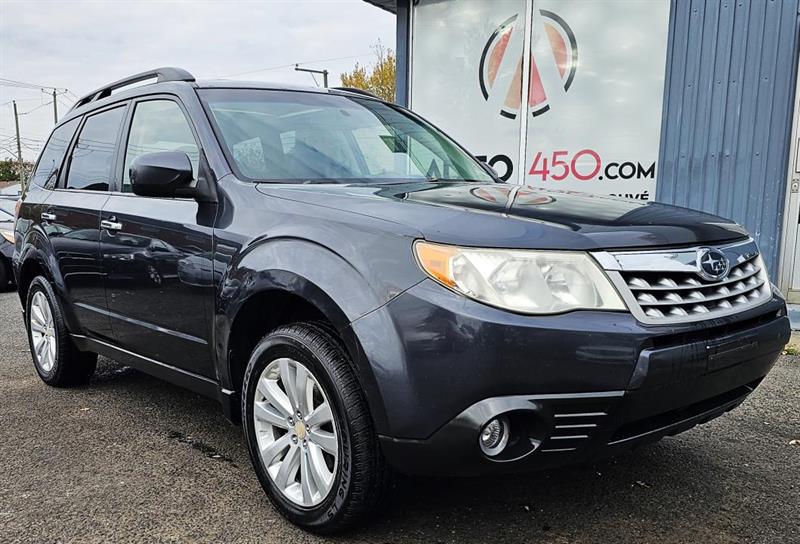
(129, 458)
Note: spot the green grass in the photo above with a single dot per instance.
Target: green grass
(791, 349)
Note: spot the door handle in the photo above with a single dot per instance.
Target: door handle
(110, 224)
(48, 216)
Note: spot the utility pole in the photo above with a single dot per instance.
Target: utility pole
(19, 146)
(55, 108)
(310, 71)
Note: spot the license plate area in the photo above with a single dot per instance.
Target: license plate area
(728, 353)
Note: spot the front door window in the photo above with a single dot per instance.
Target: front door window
(158, 125)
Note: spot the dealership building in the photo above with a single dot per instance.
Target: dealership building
(688, 102)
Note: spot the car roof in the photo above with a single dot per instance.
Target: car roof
(238, 84)
(167, 86)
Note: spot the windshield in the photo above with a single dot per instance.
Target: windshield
(312, 137)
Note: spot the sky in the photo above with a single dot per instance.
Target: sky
(80, 46)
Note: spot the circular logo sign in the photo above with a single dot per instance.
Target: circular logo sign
(712, 264)
(562, 44)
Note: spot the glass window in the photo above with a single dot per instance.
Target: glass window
(52, 156)
(92, 159)
(7, 206)
(297, 136)
(158, 125)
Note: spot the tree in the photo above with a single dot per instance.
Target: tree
(379, 79)
(9, 169)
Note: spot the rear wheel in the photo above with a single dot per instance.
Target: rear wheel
(56, 359)
(308, 430)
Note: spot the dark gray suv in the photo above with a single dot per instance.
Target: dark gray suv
(363, 295)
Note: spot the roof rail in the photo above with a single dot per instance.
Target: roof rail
(162, 75)
(356, 90)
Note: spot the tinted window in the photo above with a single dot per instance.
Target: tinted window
(158, 125)
(281, 135)
(93, 155)
(53, 154)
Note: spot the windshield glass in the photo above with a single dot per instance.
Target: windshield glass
(311, 137)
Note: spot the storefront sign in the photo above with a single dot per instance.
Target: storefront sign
(593, 96)
(448, 40)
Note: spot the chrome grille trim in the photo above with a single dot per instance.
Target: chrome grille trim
(565, 437)
(663, 286)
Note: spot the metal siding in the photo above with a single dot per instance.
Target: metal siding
(727, 112)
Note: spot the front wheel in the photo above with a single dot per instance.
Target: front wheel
(309, 431)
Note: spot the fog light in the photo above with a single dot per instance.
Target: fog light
(494, 436)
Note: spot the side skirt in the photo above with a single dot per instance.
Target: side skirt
(182, 378)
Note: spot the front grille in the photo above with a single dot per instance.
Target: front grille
(680, 294)
(666, 286)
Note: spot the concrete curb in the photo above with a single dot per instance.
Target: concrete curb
(793, 310)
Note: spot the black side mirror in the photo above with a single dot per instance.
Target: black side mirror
(166, 173)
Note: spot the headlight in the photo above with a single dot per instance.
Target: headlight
(8, 235)
(525, 281)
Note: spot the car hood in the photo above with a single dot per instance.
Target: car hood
(514, 216)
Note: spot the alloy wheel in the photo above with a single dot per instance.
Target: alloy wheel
(296, 433)
(43, 332)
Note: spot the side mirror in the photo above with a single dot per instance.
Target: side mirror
(166, 173)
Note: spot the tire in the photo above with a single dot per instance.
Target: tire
(63, 364)
(358, 476)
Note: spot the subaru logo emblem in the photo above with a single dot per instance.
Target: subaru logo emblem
(712, 264)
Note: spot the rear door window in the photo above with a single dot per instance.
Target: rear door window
(92, 162)
(47, 168)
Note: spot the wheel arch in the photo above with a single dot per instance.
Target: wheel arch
(254, 300)
(38, 258)
(32, 264)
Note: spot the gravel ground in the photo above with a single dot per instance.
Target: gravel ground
(133, 459)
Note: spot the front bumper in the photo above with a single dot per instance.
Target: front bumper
(445, 366)
(561, 430)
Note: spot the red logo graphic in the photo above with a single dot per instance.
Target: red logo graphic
(564, 48)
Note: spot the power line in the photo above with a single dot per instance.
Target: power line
(64, 103)
(36, 108)
(14, 83)
(6, 134)
(278, 67)
(20, 100)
